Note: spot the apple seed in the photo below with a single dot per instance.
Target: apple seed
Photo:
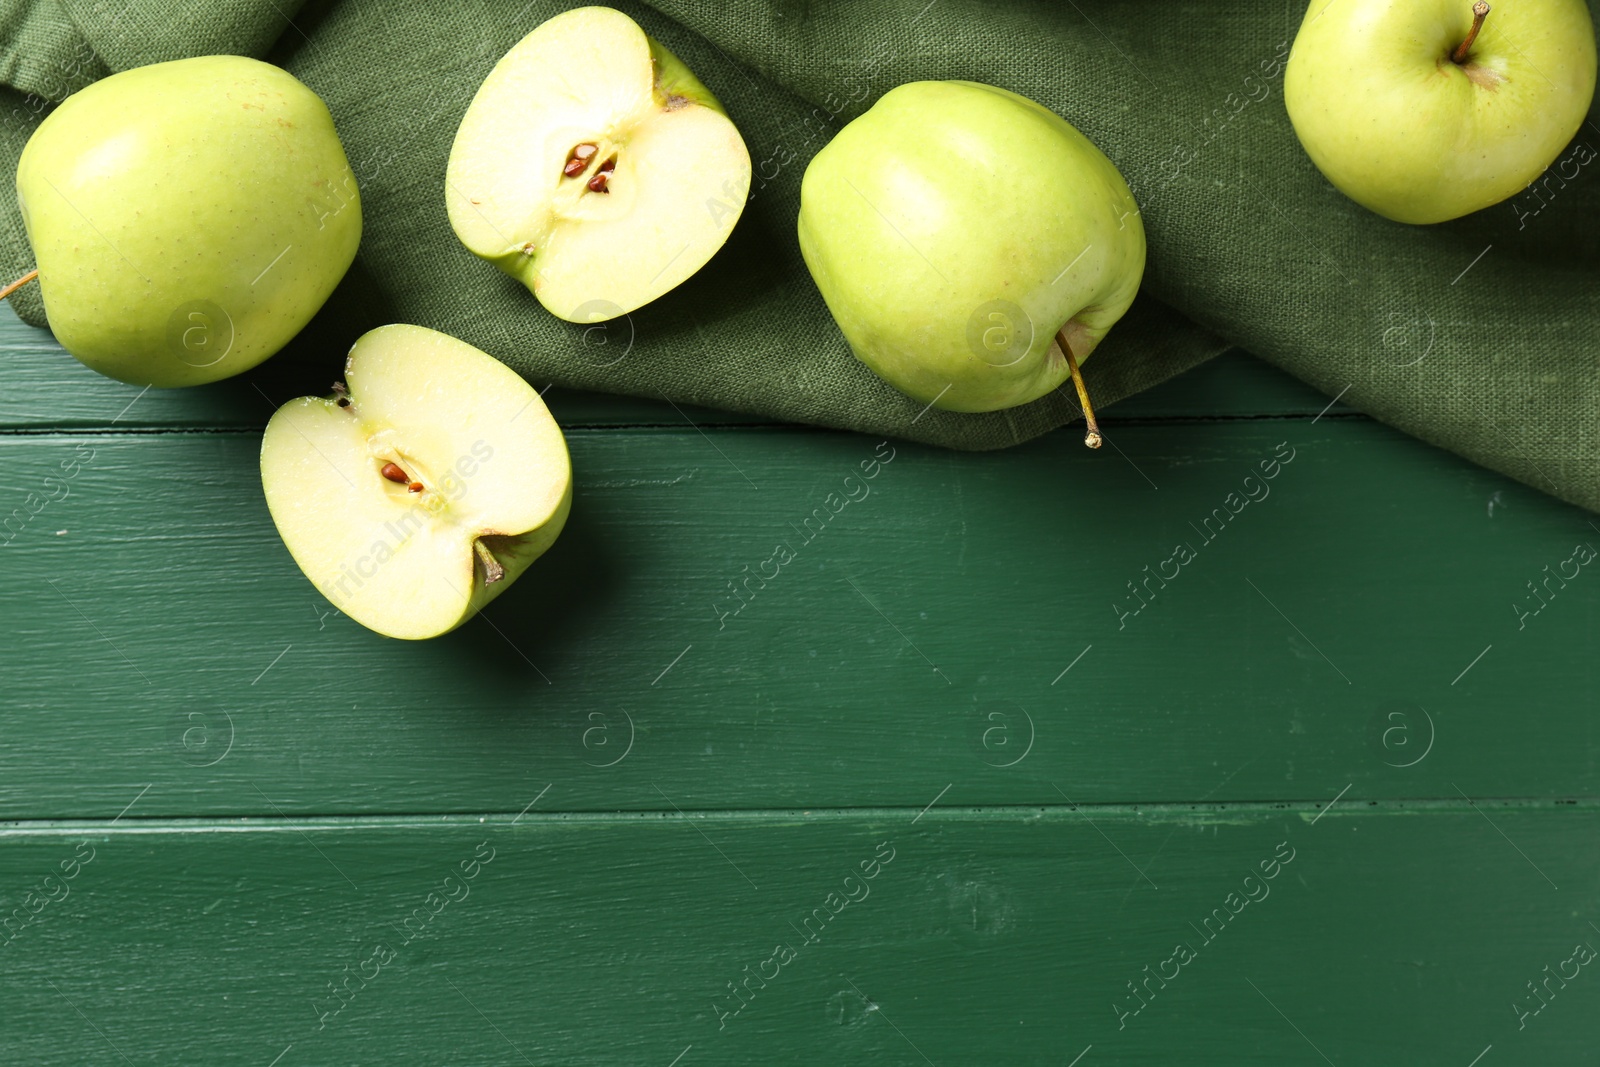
(393, 472)
(578, 158)
(597, 184)
(414, 487)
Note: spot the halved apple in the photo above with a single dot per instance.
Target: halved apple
(422, 488)
(594, 168)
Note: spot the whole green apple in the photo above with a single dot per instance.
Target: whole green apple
(956, 229)
(1427, 110)
(187, 218)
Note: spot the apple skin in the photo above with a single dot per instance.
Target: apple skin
(674, 78)
(1401, 129)
(187, 218)
(954, 228)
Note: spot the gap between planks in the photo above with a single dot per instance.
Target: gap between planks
(677, 429)
(1064, 812)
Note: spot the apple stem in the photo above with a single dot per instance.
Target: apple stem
(19, 283)
(1091, 436)
(492, 570)
(1479, 11)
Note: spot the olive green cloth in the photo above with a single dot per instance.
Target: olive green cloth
(1477, 335)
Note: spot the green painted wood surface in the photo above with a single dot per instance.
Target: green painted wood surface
(266, 787)
(168, 617)
(991, 936)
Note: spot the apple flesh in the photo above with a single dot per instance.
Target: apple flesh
(187, 218)
(594, 168)
(956, 229)
(422, 488)
(1397, 124)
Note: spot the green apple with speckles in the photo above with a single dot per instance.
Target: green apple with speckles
(1427, 110)
(962, 235)
(187, 218)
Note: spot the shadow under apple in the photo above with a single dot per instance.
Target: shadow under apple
(527, 635)
(310, 363)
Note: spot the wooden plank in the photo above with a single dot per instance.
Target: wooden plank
(1355, 624)
(48, 389)
(1385, 935)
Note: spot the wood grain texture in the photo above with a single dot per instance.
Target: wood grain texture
(993, 937)
(672, 777)
(967, 620)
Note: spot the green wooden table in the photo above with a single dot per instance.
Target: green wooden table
(1263, 736)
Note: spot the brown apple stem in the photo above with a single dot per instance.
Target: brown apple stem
(1479, 11)
(1091, 434)
(492, 570)
(19, 283)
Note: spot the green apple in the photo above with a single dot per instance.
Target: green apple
(972, 245)
(187, 218)
(1427, 110)
(594, 168)
(422, 488)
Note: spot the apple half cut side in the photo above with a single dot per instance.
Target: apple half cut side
(422, 488)
(594, 168)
